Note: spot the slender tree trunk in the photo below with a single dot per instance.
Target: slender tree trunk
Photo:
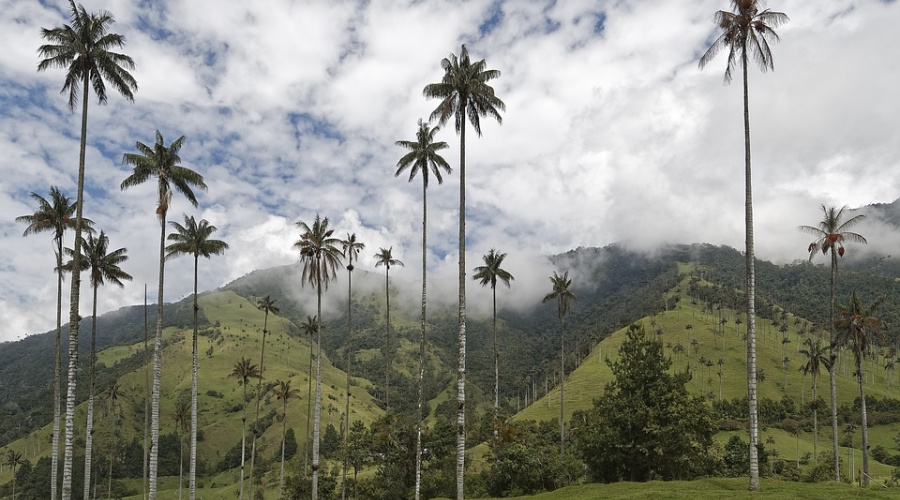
(89, 431)
(831, 374)
(57, 374)
(318, 407)
(461, 369)
(283, 433)
(157, 362)
(262, 357)
(496, 416)
(421, 389)
(387, 340)
(562, 386)
(112, 436)
(192, 474)
(146, 402)
(68, 454)
(349, 361)
(751, 291)
(309, 379)
(815, 418)
(180, 464)
(243, 439)
(860, 378)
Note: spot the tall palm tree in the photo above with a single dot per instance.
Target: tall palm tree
(193, 238)
(14, 459)
(112, 401)
(423, 156)
(464, 92)
(858, 329)
(84, 49)
(321, 259)
(816, 359)
(746, 32)
(267, 305)
(181, 417)
(309, 327)
(244, 370)
(103, 266)
(831, 234)
(283, 392)
(488, 274)
(56, 215)
(385, 258)
(162, 162)
(563, 296)
(351, 249)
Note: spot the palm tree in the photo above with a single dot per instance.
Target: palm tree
(103, 265)
(858, 328)
(385, 258)
(193, 238)
(267, 305)
(283, 392)
(54, 215)
(423, 156)
(112, 400)
(244, 370)
(162, 162)
(489, 273)
(745, 32)
(563, 297)
(84, 49)
(464, 93)
(182, 419)
(321, 258)
(351, 249)
(309, 327)
(14, 459)
(815, 360)
(831, 234)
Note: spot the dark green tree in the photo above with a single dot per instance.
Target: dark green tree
(645, 425)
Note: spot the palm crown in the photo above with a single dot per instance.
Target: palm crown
(491, 271)
(318, 252)
(832, 232)
(423, 155)
(102, 264)
(464, 92)
(561, 293)
(385, 258)
(193, 238)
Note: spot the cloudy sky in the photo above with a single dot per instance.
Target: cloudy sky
(291, 108)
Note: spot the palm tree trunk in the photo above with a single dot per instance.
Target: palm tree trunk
(243, 439)
(111, 437)
(57, 374)
(860, 378)
(831, 374)
(461, 369)
(496, 367)
(157, 363)
(751, 291)
(349, 360)
(180, 464)
(262, 358)
(562, 386)
(421, 390)
(146, 454)
(68, 454)
(318, 407)
(283, 432)
(815, 418)
(387, 340)
(192, 474)
(89, 432)
(309, 378)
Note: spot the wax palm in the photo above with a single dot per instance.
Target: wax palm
(488, 275)
(283, 392)
(320, 257)
(193, 238)
(103, 266)
(266, 305)
(112, 401)
(182, 419)
(563, 296)
(244, 370)
(54, 215)
(309, 327)
(162, 162)
(746, 32)
(831, 234)
(816, 359)
(14, 459)
(423, 156)
(464, 93)
(858, 329)
(385, 258)
(351, 248)
(84, 49)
